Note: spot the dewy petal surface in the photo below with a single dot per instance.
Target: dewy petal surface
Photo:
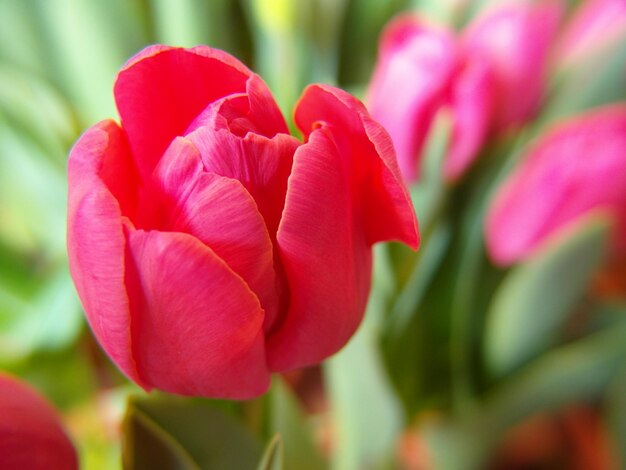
(96, 243)
(199, 326)
(162, 89)
(577, 167)
(329, 224)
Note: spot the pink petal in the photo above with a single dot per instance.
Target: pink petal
(162, 89)
(344, 194)
(220, 213)
(95, 240)
(31, 436)
(262, 165)
(471, 103)
(255, 111)
(516, 38)
(200, 328)
(415, 65)
(576, 168)
(595, 24)
(388, 212)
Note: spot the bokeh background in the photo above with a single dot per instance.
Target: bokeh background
(412, 389)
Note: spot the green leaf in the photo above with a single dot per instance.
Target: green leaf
(616, 413)
(366, 411)
(184, 434)
(289, 421)
(273, 455)
(536, 297)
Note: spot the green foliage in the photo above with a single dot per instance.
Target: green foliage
(536, 298)
(175, 433)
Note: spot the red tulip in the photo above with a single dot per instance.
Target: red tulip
(31, 435)
(208, 246)
(576, 168)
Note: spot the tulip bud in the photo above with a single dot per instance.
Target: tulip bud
(208, 246)
(31, 435)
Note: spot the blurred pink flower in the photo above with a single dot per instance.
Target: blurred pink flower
(515, 39)
(31, 434)
(490, 77)
(595, 25)
(576, 168)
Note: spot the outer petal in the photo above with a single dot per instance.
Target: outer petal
(415, 66)
(95, 240)
(576, 168)
(220, 213)
(471, 103)
(162, 89)
(516, 39)
(31, 436)
(344, 194)
(199, 325)
(377, 184)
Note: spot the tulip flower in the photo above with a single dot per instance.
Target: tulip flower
(491, 77)
(576, 168)
(208, 246)
(31, 435)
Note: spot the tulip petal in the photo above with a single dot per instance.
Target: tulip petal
(411, 79)
(220, 213)
(200, 328)
(262, 165)
(471, 103)
(326, 257)
(31, 436)
(576, 168)
(344, 194)
(95, 240)
(387, 210)
(162, 89)
(516, 38)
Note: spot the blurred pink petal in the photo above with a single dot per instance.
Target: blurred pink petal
(31, 435)
(471, 104)
(576, 168)
(416, 63)
(516, 39)
(595, 24)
